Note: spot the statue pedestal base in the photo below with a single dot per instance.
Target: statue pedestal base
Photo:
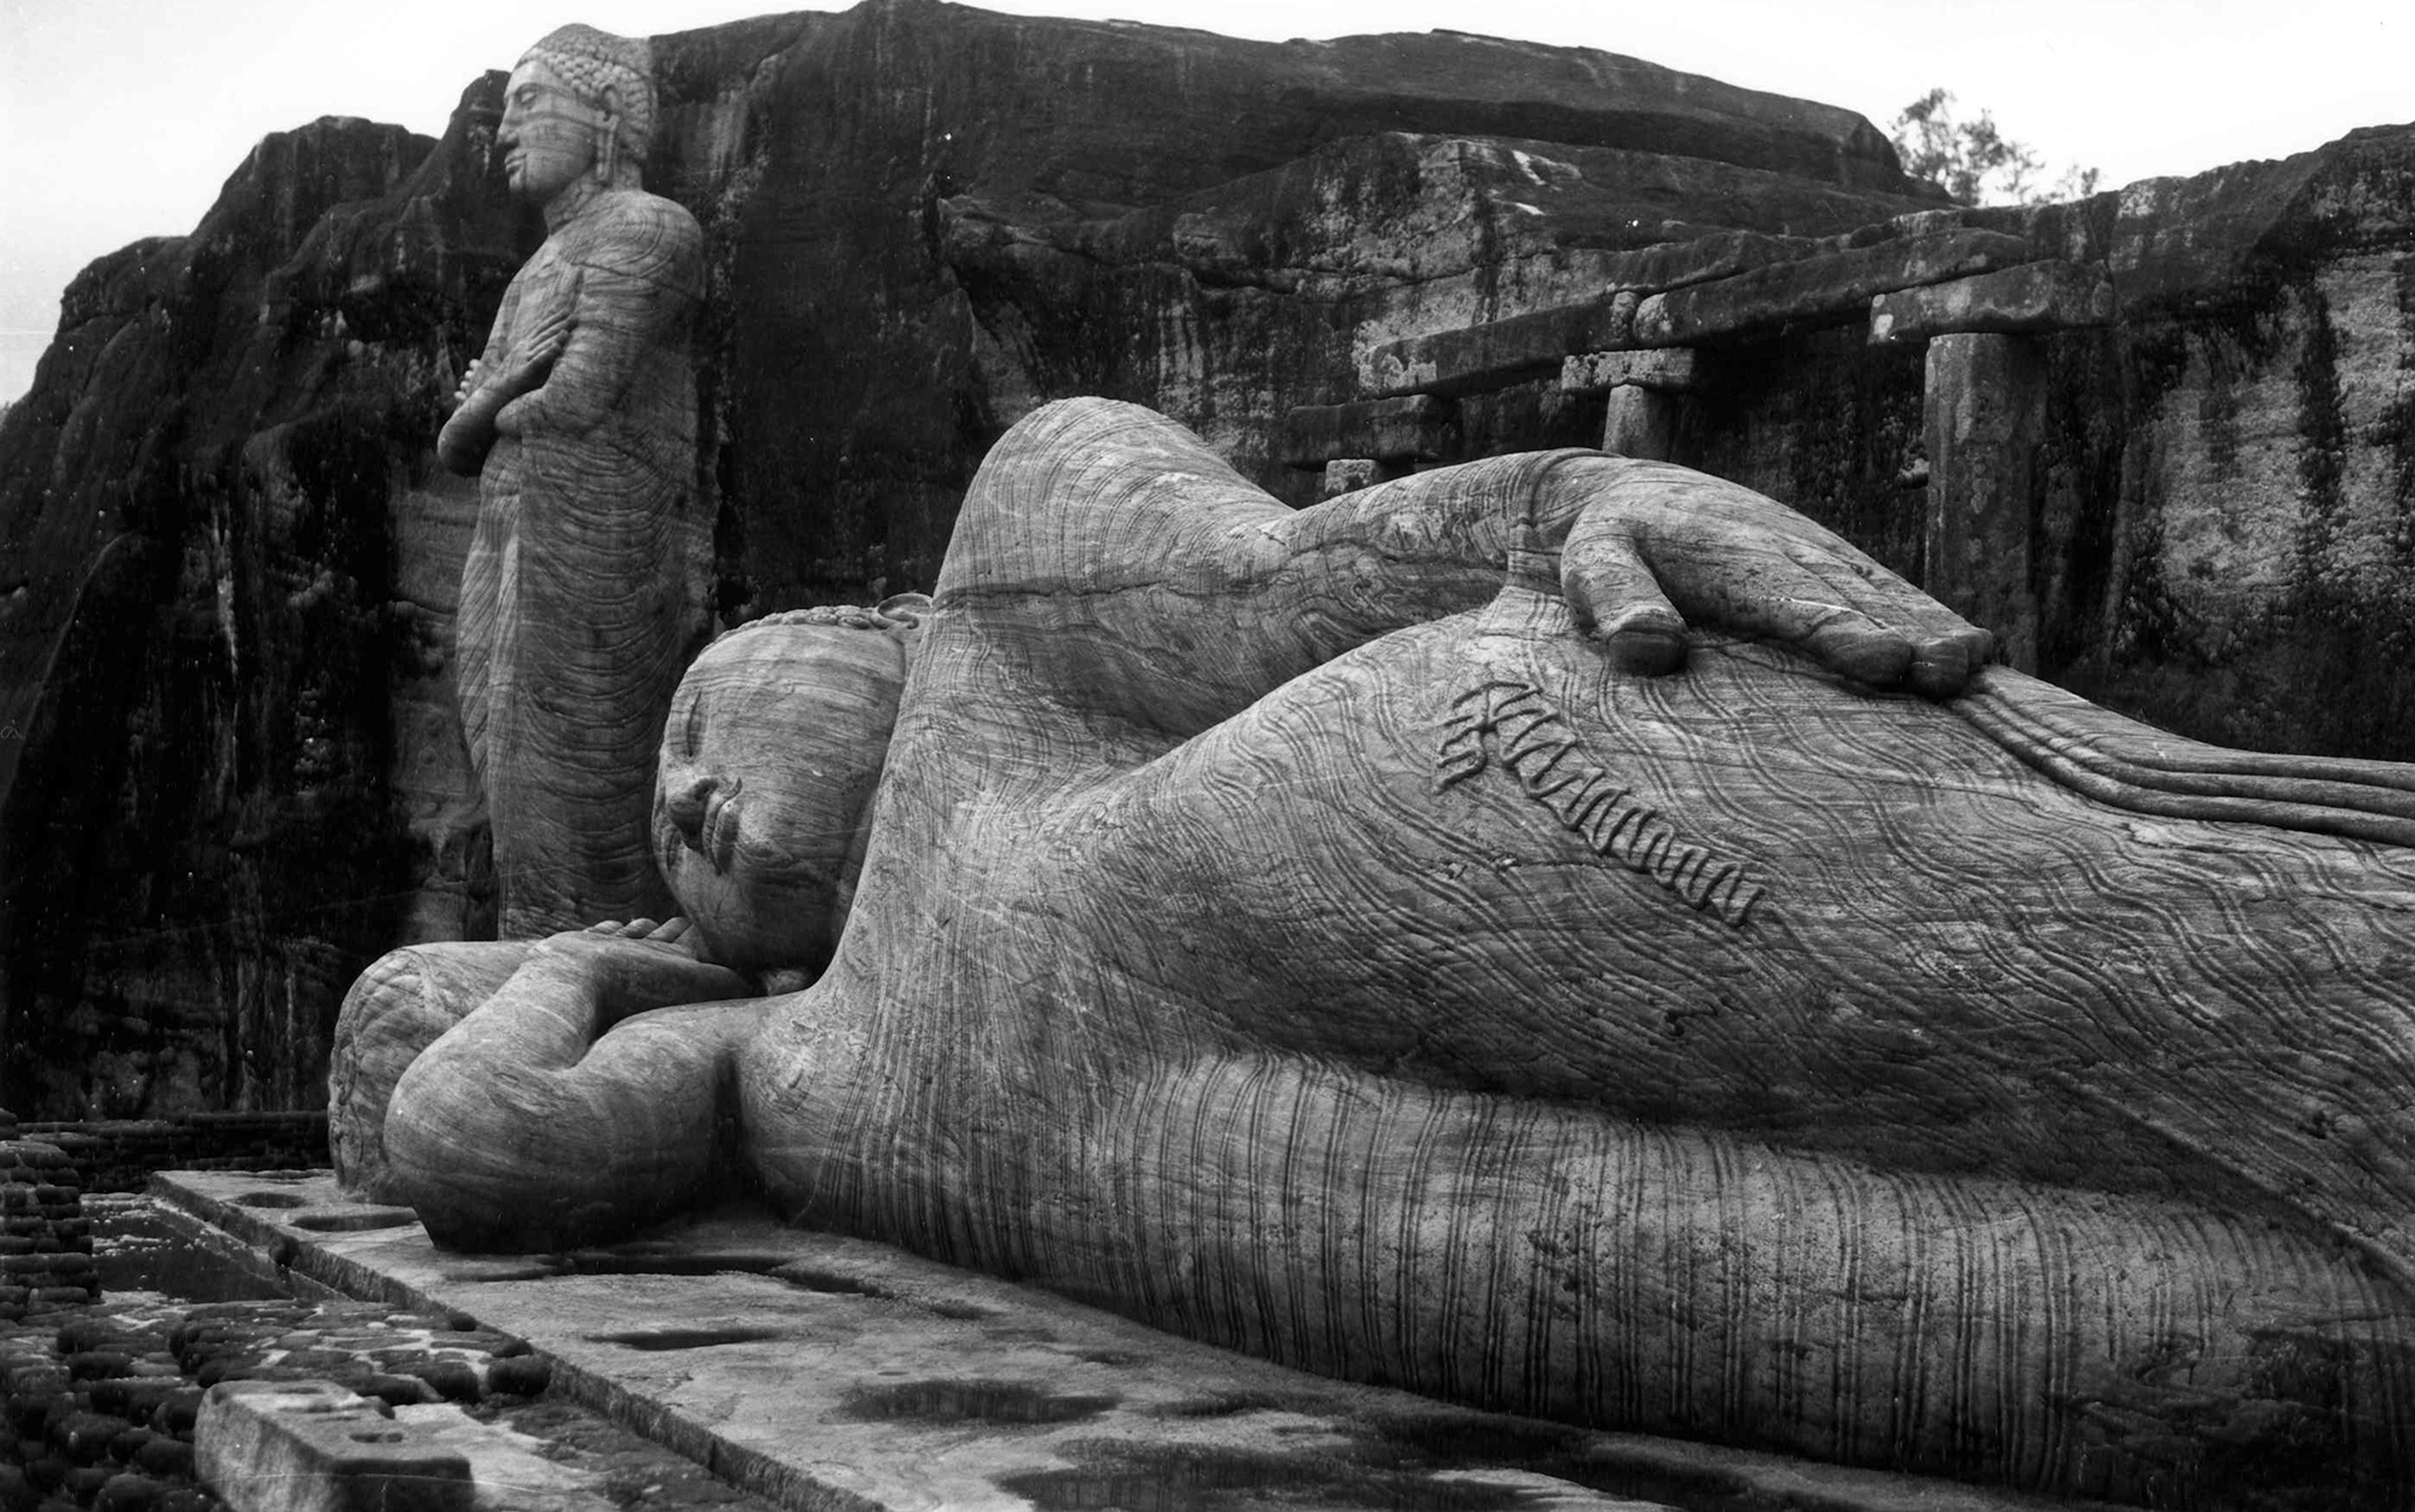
(809, 1368)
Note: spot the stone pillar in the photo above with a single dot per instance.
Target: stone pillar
(1985, 412)
(1641, 422)
(1986, 417)
(1644, 388)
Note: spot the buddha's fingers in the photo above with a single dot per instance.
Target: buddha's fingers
(1617, 600)
(1659, 543)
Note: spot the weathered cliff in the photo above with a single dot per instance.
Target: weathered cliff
(232, 768)
(230, 760)
(2223, 485)
(194, 500)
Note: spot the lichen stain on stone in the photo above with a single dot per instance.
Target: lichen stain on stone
(658, 1340)
(1004, 1403)
(2286, 1415)
(1200, 1479)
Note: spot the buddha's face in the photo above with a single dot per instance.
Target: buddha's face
(770, 754)
(548, 137)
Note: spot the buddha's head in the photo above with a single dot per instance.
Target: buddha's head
(579, 109)
(771, 756)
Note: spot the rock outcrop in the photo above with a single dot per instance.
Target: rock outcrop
(204, 498)
(231, 567)
(231, 769)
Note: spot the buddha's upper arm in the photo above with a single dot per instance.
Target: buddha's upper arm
(635, 287)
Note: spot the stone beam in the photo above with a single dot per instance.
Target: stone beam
(1821, 291)
(1663, 370)
(2036, 296)
(1986, 408)
(1721, 255)
(1414, 428)
(1500, 352)
(1804, 289)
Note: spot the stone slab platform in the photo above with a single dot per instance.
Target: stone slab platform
(825, 1372)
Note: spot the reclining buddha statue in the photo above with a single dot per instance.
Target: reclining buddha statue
(1561, 933)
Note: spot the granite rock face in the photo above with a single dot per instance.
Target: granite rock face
(2219, 493)
(230, 765)
(233, 771)
(2257, 569)
(206, 502)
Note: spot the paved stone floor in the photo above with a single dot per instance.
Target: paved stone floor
(814, 1371)
(98, 1401)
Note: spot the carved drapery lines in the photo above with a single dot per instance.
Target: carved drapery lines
(1511, 718)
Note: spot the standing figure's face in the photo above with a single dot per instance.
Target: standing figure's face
(547, 136)
(770, 756)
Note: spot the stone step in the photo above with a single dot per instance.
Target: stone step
(305, 1446)
(817, 1370)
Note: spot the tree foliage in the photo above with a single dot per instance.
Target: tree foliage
(1973, 159)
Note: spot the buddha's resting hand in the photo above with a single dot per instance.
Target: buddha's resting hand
(639, 966)
(537, 353)
(1196, 593)
(500, 384)
(1655, 545)
(483, 400)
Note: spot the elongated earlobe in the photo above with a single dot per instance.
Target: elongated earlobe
(608, 151)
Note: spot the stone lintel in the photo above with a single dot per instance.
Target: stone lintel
(2036, 296)
(315, 1446)
(1720, 255)
(1800, 287)
(1664, 369)
(1819, 290)
(1498, 354)
(1413, 428)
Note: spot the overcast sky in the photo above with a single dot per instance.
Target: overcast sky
(120, 118)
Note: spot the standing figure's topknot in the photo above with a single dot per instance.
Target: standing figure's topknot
(590, 62)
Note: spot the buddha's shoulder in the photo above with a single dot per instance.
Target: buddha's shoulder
(632, 231)
(637, 208)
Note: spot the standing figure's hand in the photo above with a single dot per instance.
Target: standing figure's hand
(538, 352)
(469, 383)
(1658, 546)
